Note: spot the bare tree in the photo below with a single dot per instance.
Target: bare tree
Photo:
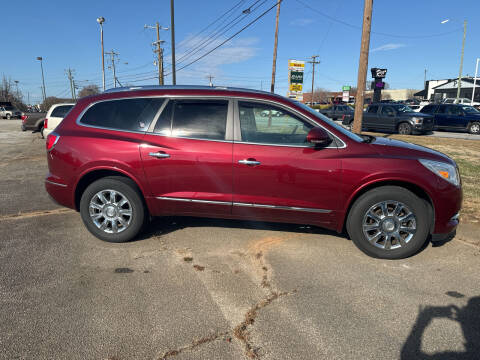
(320, 95)
(89, 90)
(7, 93)
(52, 100)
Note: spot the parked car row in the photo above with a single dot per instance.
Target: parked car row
(9, 112)
(45, 122)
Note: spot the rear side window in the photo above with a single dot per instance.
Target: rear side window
(200, 119)
(125, 114)
(61, 111)
(373, 109)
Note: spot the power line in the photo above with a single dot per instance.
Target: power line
(356, 27)
(230, 38)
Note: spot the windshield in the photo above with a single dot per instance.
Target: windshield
(324, 119)
(404, 109)
(470, 110)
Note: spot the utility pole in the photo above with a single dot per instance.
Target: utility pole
(159, 51)
(210, 77)
(69, 74)
(172, 32)
(313, 62)
(362, 66)
(112, 54)
(274, 66)
(461, 59)
(425, 79)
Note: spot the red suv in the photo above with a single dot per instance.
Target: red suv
(131, 153)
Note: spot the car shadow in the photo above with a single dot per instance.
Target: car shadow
(468, 318)
(159, 226)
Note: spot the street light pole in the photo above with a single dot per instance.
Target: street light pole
(461, 59)
(313, 62)
(475, 81)
(101, 20)
(44, 92)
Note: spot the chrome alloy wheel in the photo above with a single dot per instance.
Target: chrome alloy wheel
(475, 128)
(110, 211)
(389, 225)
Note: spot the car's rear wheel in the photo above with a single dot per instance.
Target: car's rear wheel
(389, 222)
(8, 116)
(113, 210)
(405, 128)
(474, 128)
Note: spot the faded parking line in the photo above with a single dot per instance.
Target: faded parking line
(36, 214)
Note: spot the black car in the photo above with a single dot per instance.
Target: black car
(399, 118)
(335, 112)
(454, 117)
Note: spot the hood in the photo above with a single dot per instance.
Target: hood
(402, 149)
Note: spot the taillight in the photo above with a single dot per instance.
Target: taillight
(24, 117)
(45, 124)
(52, 139)
(343, 117)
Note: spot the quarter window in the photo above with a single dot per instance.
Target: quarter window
(200, 119)
(265, 124)
(125, 114)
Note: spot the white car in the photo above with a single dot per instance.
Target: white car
(463, 101)
(54, 116)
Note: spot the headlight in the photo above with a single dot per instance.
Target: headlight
(417, 120)
(444, 170)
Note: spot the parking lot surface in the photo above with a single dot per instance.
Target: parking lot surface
(215, 289)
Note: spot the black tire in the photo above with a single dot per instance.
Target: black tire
(405, 128)
(41, 132)
(474, 128)
(24, 128)
(368, 200)
(127, 188)
(9, 116)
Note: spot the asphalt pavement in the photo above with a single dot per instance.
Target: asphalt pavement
(215, 289)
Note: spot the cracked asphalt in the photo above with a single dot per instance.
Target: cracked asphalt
(215, 289)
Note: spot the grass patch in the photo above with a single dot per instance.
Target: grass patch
(466, 153)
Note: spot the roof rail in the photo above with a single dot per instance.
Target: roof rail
(182, 87)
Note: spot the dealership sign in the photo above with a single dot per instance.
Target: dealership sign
(295, 79)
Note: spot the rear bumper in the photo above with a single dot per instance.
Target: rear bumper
(59, 192)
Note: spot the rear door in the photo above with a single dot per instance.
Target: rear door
(187, 157)
(277, 175)
(370, 118)
(388, 118)
(442, 117)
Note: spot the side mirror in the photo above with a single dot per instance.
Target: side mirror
(318, 137)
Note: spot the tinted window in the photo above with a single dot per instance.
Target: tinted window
(61, 111)
(428, 109)
(125, 114)
(388, 110)
(454, 110)
(373, 109)
(266, 124)
(203, 119)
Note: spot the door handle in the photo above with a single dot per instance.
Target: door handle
(249, 162)
(159, 155)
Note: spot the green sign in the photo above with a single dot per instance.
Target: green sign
(346, 88)
(296, 77)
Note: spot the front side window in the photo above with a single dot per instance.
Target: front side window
(388, 110)
(125, 114)
(61, 111)
(373, 109)
(200, 119)
(267, 124)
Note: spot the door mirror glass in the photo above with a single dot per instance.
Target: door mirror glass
(318, 137)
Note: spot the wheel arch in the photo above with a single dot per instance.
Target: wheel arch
(414, 188)
(96, 174)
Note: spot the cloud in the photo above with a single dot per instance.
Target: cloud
(387, 47)
(301, 22)
(234, 51)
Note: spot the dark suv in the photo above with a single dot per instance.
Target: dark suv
(454, 117)
(122, 156)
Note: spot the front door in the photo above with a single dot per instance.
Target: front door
(277, 175)
(187, 158)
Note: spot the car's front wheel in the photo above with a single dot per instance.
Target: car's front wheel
(474, 128)
(113, 210)
(389, 222)
(405, 128)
